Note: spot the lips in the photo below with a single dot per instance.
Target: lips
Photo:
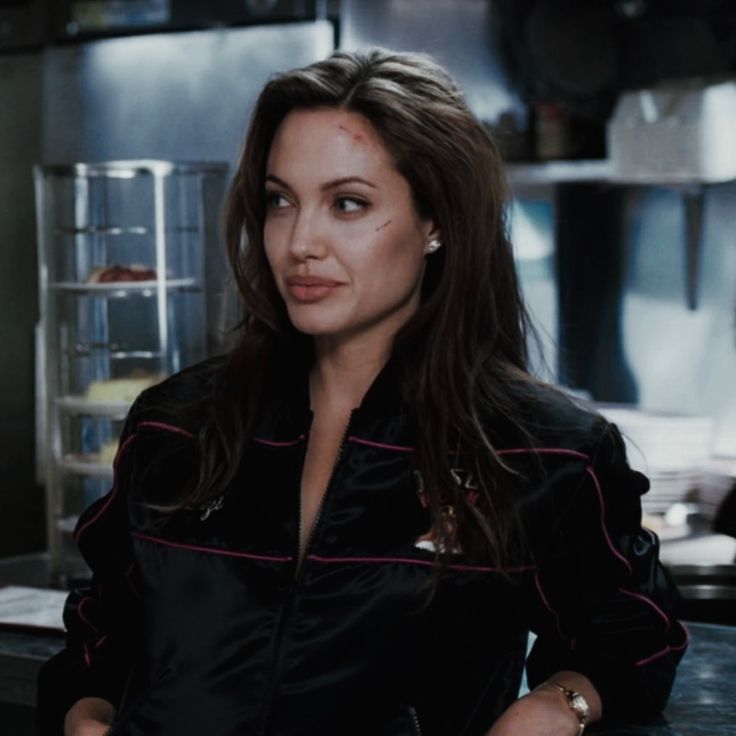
(310, 281)
(308, 289)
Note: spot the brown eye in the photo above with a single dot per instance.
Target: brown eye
(348, 205)
(276, 201)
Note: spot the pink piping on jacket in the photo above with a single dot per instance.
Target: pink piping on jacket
(510, 451)
(121, 449)
(380, 445)
(274, 443)
(650, 603)
(412, 561)
(669, 648)
(83, 618)
(212, 550)
(167, 428)
(589, 470)
(545, 451)
(113, 491)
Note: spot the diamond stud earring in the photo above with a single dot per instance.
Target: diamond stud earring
(434, 245)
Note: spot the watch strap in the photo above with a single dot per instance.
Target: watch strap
(575, 701)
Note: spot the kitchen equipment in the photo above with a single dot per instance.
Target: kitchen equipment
(719, 479)
(670, 449)
(121, 285)
(679, 130)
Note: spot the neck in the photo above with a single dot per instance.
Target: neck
(343, 372)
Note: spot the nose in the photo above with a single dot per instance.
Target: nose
(307, 240)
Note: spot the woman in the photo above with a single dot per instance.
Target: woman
(351, 522)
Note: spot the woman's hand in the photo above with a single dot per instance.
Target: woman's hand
(86, 727)
(540, 713)
(546, 712)
(89, 717)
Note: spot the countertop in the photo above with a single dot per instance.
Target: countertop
(703, 701)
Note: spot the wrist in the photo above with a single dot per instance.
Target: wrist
(568, 699)
(555, 703)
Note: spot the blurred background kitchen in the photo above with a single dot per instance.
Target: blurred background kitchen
(121, 120)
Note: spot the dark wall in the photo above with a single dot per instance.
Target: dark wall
(20, 124)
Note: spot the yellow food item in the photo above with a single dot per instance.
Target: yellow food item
(119, 389)
(107, 452)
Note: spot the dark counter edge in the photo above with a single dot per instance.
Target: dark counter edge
(702, 701)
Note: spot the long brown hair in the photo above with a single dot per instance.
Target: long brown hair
(463, 354)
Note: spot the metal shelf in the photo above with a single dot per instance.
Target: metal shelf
(118, 289)
(550, 173)
(103, 230)
(143, 214)
(528, 179)
(106, 230)
(558, 172)
(134, 168)
(113, 352)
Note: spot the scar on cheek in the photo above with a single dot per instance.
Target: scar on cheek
(358, 137)
(385, 224)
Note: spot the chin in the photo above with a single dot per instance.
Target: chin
(315, 327)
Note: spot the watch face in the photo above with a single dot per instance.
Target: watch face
(580, 705)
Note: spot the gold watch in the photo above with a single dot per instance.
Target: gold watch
(578, 704)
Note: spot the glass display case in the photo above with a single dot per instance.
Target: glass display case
(122, 259)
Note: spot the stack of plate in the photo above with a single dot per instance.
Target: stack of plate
(719, 478)
(671, 449)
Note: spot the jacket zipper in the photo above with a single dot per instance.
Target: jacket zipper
(288, 605)
(320, 508)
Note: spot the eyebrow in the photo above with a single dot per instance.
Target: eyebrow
(327, 185)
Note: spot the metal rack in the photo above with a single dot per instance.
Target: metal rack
(101, 342)
(527, 179)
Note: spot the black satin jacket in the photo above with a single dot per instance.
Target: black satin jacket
(200, 623)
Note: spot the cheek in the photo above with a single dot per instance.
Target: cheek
(396, 263)
(404, 252)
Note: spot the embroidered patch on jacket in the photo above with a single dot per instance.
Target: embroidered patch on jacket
(449, 523)
(210, 507)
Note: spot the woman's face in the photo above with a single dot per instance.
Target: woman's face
(342, 236)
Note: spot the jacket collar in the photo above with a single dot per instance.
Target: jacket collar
(286, 412)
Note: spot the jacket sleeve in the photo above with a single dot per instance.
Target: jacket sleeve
(603, 605)
(103, 620)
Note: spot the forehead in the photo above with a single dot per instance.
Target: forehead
(327, 136)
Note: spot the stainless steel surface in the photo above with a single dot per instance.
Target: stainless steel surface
(183, 96)
(458, 33)
(166, 96)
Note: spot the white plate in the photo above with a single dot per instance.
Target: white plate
(75, 404)
(77, 287)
